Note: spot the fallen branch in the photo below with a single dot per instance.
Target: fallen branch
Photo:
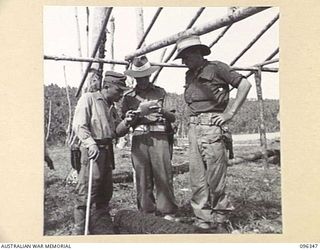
(273, 157)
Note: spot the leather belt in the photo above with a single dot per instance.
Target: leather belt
(203, 118)
(151, 128)
(103, 142)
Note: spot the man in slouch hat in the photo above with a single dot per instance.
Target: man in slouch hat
(150, 141)
(207, 96)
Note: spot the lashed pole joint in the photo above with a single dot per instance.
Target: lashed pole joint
(198, 30)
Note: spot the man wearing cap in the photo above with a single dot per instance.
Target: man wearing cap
(96, 123)
(150, 146)
(207, 96)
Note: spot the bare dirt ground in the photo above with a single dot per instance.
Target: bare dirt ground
(254, 190)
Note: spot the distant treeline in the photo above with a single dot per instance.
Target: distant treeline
(246, 121)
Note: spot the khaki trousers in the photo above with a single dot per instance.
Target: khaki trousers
(208, 170)
(151, 161)
(101, 192)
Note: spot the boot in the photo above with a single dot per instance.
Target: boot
(79, 221)
(220, 224)
(101, 222)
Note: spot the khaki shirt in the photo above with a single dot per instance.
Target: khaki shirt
(133, 98)
(207, 88)
(95, 118)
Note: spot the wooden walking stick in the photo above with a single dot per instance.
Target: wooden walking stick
(86, 229)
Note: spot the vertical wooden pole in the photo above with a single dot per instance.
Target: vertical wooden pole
(79, 37)
(49, 122)
(69, 104)
(85, 88)
(261, 117)
(98, 19)
(140, 24)
(111, 39)
(87, 30)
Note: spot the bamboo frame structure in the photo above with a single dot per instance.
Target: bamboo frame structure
(226, 22)
(264, 30)
(198, 30)
(95, 50)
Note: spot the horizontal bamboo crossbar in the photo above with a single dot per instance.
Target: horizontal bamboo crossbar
(198, 30)
(172, 65)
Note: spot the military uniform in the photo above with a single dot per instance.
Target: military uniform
(206, 94)
(95, 122)
(150, 154)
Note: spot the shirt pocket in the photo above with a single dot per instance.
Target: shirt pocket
(217, 90)
(197, 92)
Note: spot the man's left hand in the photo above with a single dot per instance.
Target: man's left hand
(221, 119)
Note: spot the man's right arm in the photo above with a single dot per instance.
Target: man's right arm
(81, 126)
(81, 122)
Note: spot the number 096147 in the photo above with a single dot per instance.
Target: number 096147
(308, 246)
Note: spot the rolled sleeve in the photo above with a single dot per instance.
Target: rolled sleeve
(229, 75)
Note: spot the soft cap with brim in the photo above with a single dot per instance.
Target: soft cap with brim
(115, 78)
(141, 67)
(191, 42)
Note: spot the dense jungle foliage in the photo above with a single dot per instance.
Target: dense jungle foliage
(246, 121)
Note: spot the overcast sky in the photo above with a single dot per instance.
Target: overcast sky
(60, 38)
